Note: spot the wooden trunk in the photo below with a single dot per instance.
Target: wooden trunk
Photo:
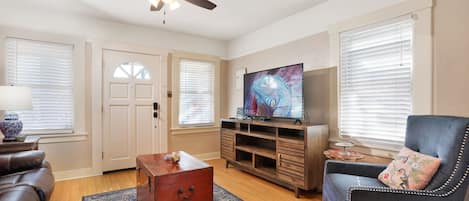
(161, 180)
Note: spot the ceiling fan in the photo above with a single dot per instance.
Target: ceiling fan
(157, 5)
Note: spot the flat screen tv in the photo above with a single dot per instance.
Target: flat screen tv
(275, 93)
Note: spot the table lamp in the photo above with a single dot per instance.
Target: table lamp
(13, 98)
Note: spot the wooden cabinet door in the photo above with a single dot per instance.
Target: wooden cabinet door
(291, 161)
(227, 144)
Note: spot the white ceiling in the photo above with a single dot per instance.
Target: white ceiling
(231, 18)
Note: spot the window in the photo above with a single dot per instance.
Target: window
(124, 71)
(376, 80)
(196, 93)
(47, 68)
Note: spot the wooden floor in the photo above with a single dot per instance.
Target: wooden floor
(243, 185)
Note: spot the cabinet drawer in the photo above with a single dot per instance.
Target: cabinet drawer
(289, 151)
(291, 144)
(295, 180)
(290, 158)
(292, 173)
(292, 166)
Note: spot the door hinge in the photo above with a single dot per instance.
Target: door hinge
(102, 155)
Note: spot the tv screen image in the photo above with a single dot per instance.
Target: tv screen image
(275, 93)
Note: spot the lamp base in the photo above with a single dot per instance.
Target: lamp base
(9, 140)
(11, 127)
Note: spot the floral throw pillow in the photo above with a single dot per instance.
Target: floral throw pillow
(410, 170)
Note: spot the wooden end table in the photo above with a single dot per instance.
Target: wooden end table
(163, 180)
(22, 144)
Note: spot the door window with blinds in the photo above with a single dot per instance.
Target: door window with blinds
(375, 80)
(47, 68)
(196, 93)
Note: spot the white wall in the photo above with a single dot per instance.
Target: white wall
(309, 22)
(71, 155)
(13, 13)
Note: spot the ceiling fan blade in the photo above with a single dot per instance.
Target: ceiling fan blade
(157, 8)
(203, 3)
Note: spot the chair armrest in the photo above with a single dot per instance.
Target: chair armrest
(20, 161)
(353, 168)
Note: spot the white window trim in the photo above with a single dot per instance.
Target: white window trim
(49, 131)
(175, 61)
(79, 85)
(422, 74)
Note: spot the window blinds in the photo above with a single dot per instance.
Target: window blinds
(47, 68)
(375, 80)
(196, 98)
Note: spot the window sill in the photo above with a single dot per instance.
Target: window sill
(61, 138)
(195, 130)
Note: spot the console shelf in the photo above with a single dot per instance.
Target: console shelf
(258, 151)
(281, 152)
(259, 134)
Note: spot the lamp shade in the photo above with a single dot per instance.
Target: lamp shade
(15, 98)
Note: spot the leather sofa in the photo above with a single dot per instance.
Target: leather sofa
(25, 176)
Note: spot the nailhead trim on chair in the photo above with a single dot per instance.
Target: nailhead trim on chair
(423, 192)
(408, 192)
(458, 161)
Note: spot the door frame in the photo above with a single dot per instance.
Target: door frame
(94, 52)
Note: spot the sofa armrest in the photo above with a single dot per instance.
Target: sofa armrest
(354, 168)
(20, 161)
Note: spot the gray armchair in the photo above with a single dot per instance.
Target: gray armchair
(440, 136)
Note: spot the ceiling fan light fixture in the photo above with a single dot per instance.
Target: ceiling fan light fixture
(154, 2)
(174, 5)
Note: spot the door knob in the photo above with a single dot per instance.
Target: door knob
(155, 106)
(155, 114)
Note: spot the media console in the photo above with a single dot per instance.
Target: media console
(282, 152)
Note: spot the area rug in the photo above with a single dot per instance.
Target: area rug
(130, 194)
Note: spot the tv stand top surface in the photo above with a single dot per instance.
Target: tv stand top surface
(274, 123)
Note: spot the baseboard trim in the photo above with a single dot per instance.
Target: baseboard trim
(90, 172)
(208, 156)
(75, 174)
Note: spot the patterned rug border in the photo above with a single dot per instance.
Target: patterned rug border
(226, 192)
(106, 193)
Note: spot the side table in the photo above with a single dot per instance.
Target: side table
(353, 156)
(23, 144)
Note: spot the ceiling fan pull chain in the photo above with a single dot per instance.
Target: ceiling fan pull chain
(164, 16)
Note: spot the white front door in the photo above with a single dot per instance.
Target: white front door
(130, 90)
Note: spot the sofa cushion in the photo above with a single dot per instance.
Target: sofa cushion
(410, 170)
(18, 193)
(336, 185)
(40, 179)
